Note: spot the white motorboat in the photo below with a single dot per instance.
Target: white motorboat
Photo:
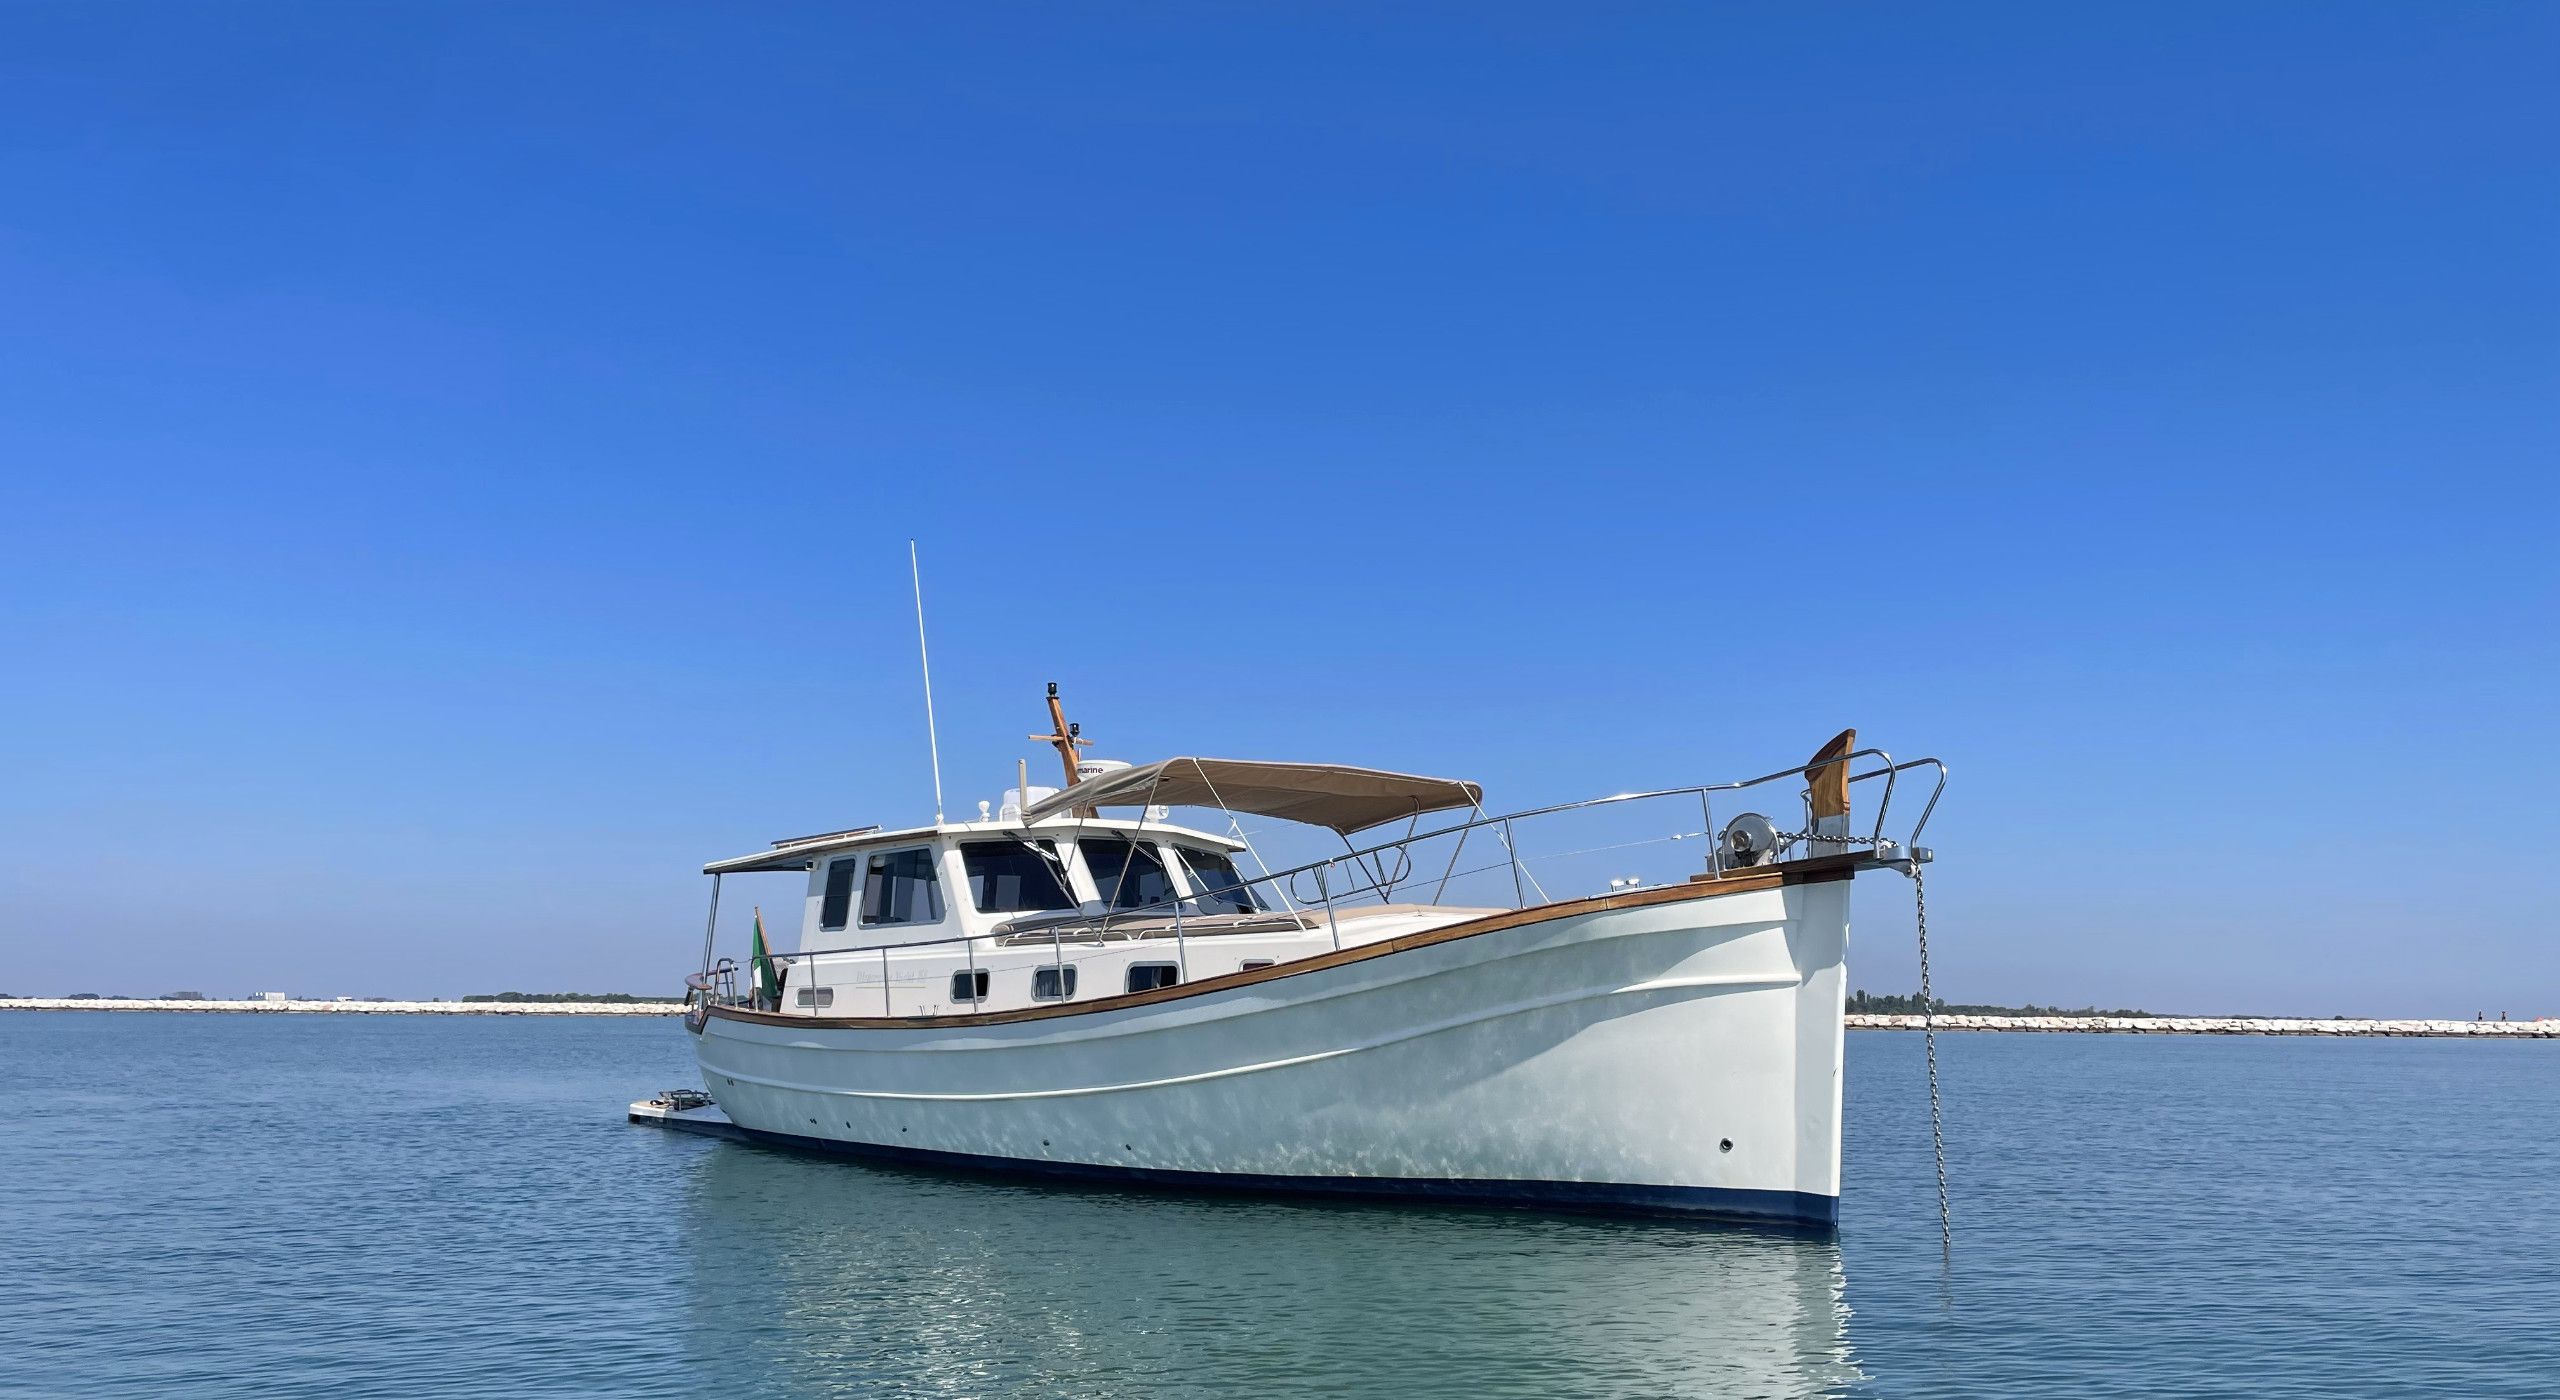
(1079, 985)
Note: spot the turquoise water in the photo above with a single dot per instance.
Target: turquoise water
(217, 1205)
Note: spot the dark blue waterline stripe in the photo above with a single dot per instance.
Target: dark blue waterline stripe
(1790, 1208)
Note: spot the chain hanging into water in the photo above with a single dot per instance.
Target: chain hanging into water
(1929, 1045)
(1928, 1019)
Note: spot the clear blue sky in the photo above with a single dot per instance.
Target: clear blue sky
(456, 460)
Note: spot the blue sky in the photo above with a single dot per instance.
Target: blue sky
(456, 461)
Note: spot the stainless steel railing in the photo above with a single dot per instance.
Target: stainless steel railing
(1348, 880)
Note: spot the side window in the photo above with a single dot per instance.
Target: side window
(817, 996)
(1053, 983)
(839, 898)
(1216, 888)
(1126, 875)
(1254, 964)
(899, 888)
(1008, 877)
(969, 986)
(1146, 977)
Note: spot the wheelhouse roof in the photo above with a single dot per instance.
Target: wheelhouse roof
(1319, 794)
(801, 852)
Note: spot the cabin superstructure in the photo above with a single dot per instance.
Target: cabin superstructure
(1053, 901)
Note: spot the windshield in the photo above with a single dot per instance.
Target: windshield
(902, 889)
(1008, 877)
(1126, 876)
(1215, 886)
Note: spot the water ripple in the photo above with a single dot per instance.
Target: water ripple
(221, 1206)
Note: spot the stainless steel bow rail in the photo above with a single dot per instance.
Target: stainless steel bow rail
(1362, 874)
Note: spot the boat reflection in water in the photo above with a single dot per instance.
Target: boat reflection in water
(814, 1277)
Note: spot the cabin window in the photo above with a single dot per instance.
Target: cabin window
(1254, 964)
(1009, 877)
(1216, 888)
(1053, 983)
(969, 986)
(900, 889)
(838, 901)
(1125, 874)
(1146, 977)
(817, 996)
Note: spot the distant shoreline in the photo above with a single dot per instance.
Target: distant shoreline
(2216, 1025)
(2080, 1025)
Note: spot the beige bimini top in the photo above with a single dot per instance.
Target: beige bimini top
(1319, 794)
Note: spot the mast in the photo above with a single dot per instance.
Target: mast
(1062, 736)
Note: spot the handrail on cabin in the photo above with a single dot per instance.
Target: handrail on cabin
(1890, 772)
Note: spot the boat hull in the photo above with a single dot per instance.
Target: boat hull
(1675, 1056)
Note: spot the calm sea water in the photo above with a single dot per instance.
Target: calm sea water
(234, 1205)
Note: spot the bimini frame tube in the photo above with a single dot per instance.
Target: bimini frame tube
(711, 925)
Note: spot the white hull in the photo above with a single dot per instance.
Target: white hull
(1675, 1050)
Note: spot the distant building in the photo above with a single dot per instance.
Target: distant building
(273, 996)
(182, 996)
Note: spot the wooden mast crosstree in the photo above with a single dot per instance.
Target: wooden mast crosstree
(1062, 736)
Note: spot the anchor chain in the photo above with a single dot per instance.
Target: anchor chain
(1792, 837)
(1929, 1045)
(1928, 1016)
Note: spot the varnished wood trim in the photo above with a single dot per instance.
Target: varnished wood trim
(1827, 776)
(1800, 872)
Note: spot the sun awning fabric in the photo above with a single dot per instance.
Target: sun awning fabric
(1319, 794)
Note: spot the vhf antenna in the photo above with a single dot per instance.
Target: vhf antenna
(933, 742)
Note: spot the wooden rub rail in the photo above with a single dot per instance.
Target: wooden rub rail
(2215, 1025)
